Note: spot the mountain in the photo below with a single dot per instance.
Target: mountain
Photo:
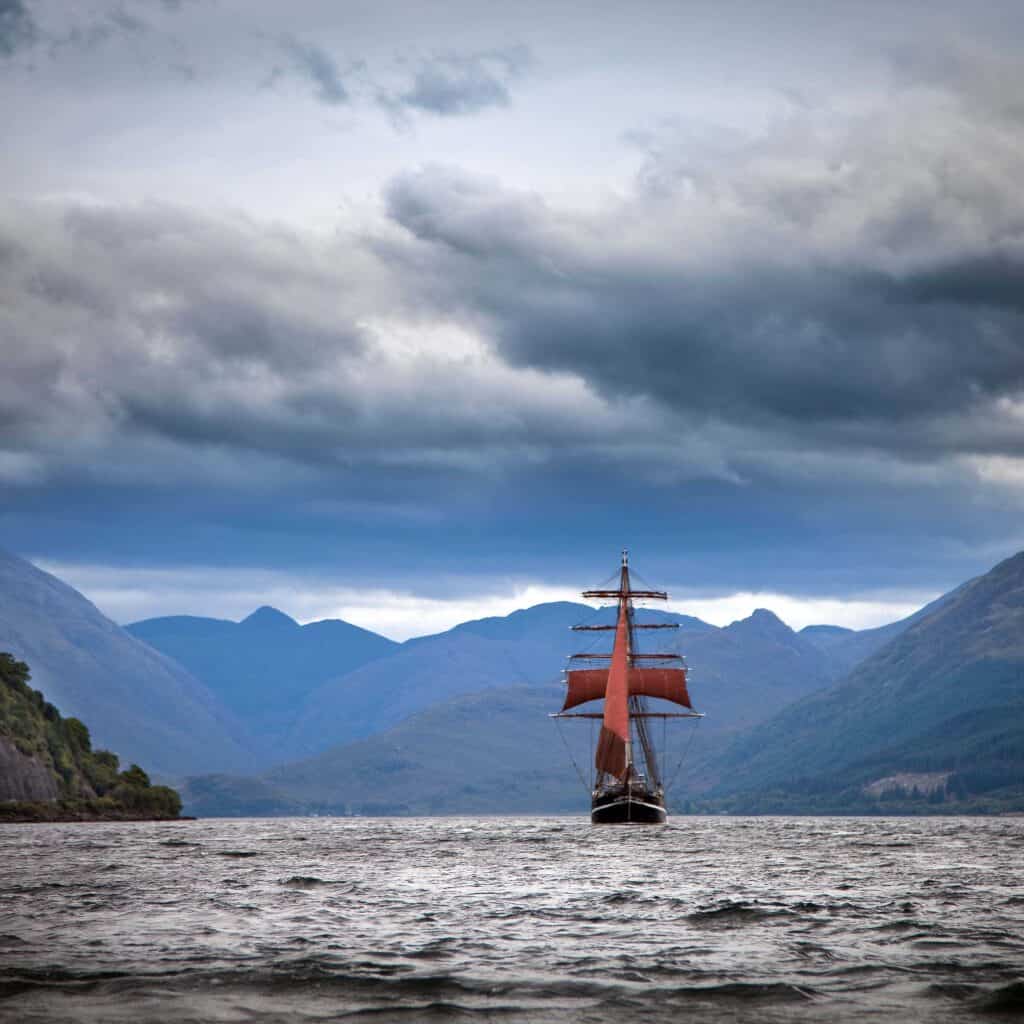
(947, 693)
(746, 671)
(138, 702)
(264, 667)
(845, 648)
(48, 769)
(528, 646)
(436, 727)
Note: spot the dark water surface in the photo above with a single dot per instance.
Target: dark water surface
(534, 919)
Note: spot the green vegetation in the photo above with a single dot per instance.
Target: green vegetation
(945, 697)
(88, 783)
(975, 759)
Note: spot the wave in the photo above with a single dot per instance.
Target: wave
(1008, 999)
(733, 912)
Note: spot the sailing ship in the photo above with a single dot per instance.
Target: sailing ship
(628, 785)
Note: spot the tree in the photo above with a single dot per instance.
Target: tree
(135, 776)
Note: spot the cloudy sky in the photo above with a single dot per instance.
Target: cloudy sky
(414, 312)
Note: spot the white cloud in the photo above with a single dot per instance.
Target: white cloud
(130, 594)
(797, 611)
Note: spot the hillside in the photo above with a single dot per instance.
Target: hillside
(265, 666)
(947, 693)
(493, 752)
(446, 748)
(48, 769)
(139, 703)
(435, 726)
(739, 674)
(526, 647)
(845, 648)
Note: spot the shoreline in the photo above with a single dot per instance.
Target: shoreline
(85, 819)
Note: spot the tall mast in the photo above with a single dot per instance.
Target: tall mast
(625, 614)
(636, 703)
(630, 676)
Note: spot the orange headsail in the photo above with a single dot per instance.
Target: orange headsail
(611, 756)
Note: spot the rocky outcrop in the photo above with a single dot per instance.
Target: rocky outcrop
(23, 777)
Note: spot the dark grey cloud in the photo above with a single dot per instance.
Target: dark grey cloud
(18, 29)
(819, 283)
(150, 336)
(768, 340)
(455, 84)
(320, 68)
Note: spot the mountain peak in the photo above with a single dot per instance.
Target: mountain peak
(266, 617)
(763, 620)
(825, 631)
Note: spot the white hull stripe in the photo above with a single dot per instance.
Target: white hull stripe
(619, 803)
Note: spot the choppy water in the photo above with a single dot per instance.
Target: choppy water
(767, 919)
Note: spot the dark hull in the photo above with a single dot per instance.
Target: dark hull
(627, 809)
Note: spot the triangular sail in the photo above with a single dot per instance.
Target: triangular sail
(612, 754)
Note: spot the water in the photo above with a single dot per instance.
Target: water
(766, 919)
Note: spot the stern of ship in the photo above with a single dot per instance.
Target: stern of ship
(627, 805)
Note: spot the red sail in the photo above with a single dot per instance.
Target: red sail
(612, 755)
(586, 684)
(666, 683)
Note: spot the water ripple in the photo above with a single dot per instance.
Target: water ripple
(766, 919)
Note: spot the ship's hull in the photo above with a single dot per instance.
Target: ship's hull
(620, 808)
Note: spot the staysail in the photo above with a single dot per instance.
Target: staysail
(612, 754)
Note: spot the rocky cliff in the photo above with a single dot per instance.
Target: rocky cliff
(49, 770)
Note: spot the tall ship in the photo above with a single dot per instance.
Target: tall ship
(628, 785)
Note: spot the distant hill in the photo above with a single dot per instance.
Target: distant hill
(264, 667)
(48, 769)
(743, 673)
(272, 691)
(304, 689)
(527, 647)
(138, 703)
(740, 674)
(845, 648)
(436, 727)
(946, 695)
(493, 752)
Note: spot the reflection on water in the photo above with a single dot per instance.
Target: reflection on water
(529, 919)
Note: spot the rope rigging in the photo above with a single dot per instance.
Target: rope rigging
(686, 751)
(568, 750)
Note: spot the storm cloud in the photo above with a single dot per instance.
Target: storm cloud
(754, 301)
(816, 281)
(17, 27)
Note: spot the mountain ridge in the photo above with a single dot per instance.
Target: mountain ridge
(141, 704)
(263, 667)
(963, 654)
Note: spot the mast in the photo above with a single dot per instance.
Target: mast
(630, 676)
(618, 690)
(637, 704)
